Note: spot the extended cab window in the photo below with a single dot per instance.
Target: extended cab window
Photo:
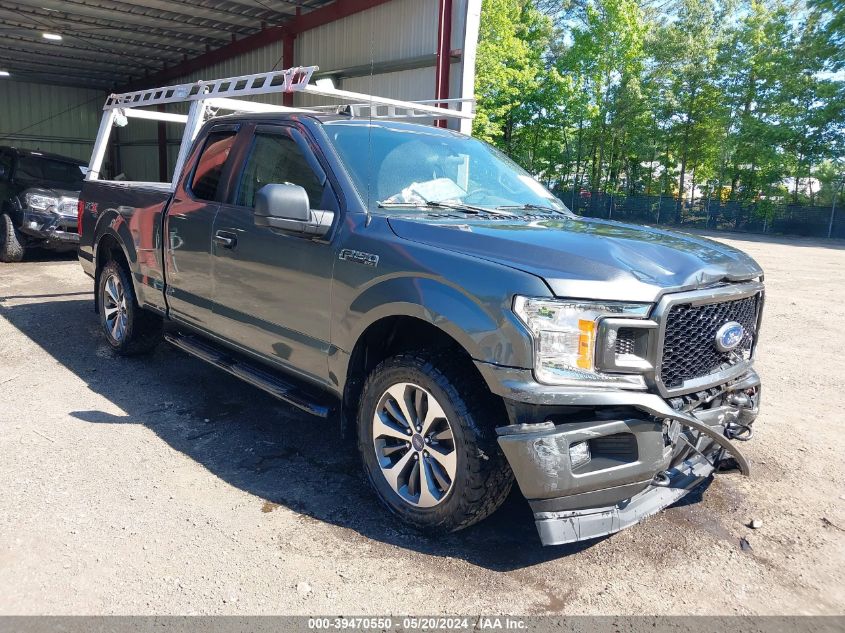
(210, 166)
(276, 159)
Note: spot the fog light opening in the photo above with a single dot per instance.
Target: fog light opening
(662, 479)
(579, 454)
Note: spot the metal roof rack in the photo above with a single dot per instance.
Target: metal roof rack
(206, 98)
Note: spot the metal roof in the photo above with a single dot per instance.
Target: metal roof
(111, 43)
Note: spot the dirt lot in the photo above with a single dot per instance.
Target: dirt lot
(161, 485)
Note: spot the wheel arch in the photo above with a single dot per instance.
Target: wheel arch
(389, 336)
(108, 247)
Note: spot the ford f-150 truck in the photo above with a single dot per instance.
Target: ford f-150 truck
(38, 201)
(418, 287)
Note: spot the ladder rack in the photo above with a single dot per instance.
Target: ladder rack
(206, 98)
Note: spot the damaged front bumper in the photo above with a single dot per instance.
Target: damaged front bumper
(593, 462)
(55, 229)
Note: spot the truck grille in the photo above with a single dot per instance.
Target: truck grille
(689, 349)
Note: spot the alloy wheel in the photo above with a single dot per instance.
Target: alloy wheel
(114, 307)
(414, 445)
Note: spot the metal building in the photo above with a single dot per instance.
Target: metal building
(63, 57)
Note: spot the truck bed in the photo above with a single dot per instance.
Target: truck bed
(132, 213)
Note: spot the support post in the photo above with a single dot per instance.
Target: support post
(195, 120)
(288, 53)
(101, 144)
(162, 148)
(833, 207)
(472, 25)
(444, 50)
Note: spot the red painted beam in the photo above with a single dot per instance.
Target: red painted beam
(288, 61)
(444, 49)
(337, 10)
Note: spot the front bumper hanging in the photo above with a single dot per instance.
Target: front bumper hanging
(637, 466)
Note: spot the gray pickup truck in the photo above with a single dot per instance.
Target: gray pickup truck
(419, 289)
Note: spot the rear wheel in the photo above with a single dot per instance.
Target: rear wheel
(129, 330)
(427, 441)
(11, 241)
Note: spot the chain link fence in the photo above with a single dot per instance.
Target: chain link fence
(764, 216)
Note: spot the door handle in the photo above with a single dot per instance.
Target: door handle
(225, 239)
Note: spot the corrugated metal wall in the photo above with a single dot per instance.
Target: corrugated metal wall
(48, 118)
(395, 31)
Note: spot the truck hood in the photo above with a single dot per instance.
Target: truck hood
(588, 258)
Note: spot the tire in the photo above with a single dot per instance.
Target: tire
(11, 242)
(480, 475)
(128, 329)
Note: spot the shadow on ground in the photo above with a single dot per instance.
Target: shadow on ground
(251, 441)
(33, 254)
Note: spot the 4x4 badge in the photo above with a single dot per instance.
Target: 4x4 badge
(359, 257)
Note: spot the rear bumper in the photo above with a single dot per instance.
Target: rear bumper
(644, 453)
(55, 229)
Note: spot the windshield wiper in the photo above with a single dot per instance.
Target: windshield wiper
(434, 204)
(532, 207)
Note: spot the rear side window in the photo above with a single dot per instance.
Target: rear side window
(276, 159)
(210, 165)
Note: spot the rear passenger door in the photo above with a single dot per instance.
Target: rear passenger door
(188, 228)
(273, 289)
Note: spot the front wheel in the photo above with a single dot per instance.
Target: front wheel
(427, 441)
(129, 330)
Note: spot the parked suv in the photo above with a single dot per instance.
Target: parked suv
(38, 201)
(417, 286)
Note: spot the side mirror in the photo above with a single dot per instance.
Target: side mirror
(287, 208)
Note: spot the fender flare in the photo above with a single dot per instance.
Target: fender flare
(489, 333)
(112, 224)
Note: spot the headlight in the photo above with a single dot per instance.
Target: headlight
(40, 203)
(565, 339)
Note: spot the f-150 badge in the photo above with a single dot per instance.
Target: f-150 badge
(359, 257)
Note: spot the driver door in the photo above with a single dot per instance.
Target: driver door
(272, 288)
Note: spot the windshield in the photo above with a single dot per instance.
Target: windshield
(410, 165)
(40, 169)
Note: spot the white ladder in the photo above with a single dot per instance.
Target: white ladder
(222, 94)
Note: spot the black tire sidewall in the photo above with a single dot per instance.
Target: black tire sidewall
(449, 513)
(11, 245)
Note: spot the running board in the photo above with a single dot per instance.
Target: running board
(252, 373)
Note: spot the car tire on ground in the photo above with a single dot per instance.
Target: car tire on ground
(444, 470)
(11, 243)
(129, 330)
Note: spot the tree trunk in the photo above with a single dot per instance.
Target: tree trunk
(692, 188)
(797, 181)
(651, 169)
(680, 199)
(577, 180)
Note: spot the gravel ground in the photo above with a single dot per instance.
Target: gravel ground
(161, 485)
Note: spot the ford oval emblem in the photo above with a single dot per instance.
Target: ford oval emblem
(729, 336)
